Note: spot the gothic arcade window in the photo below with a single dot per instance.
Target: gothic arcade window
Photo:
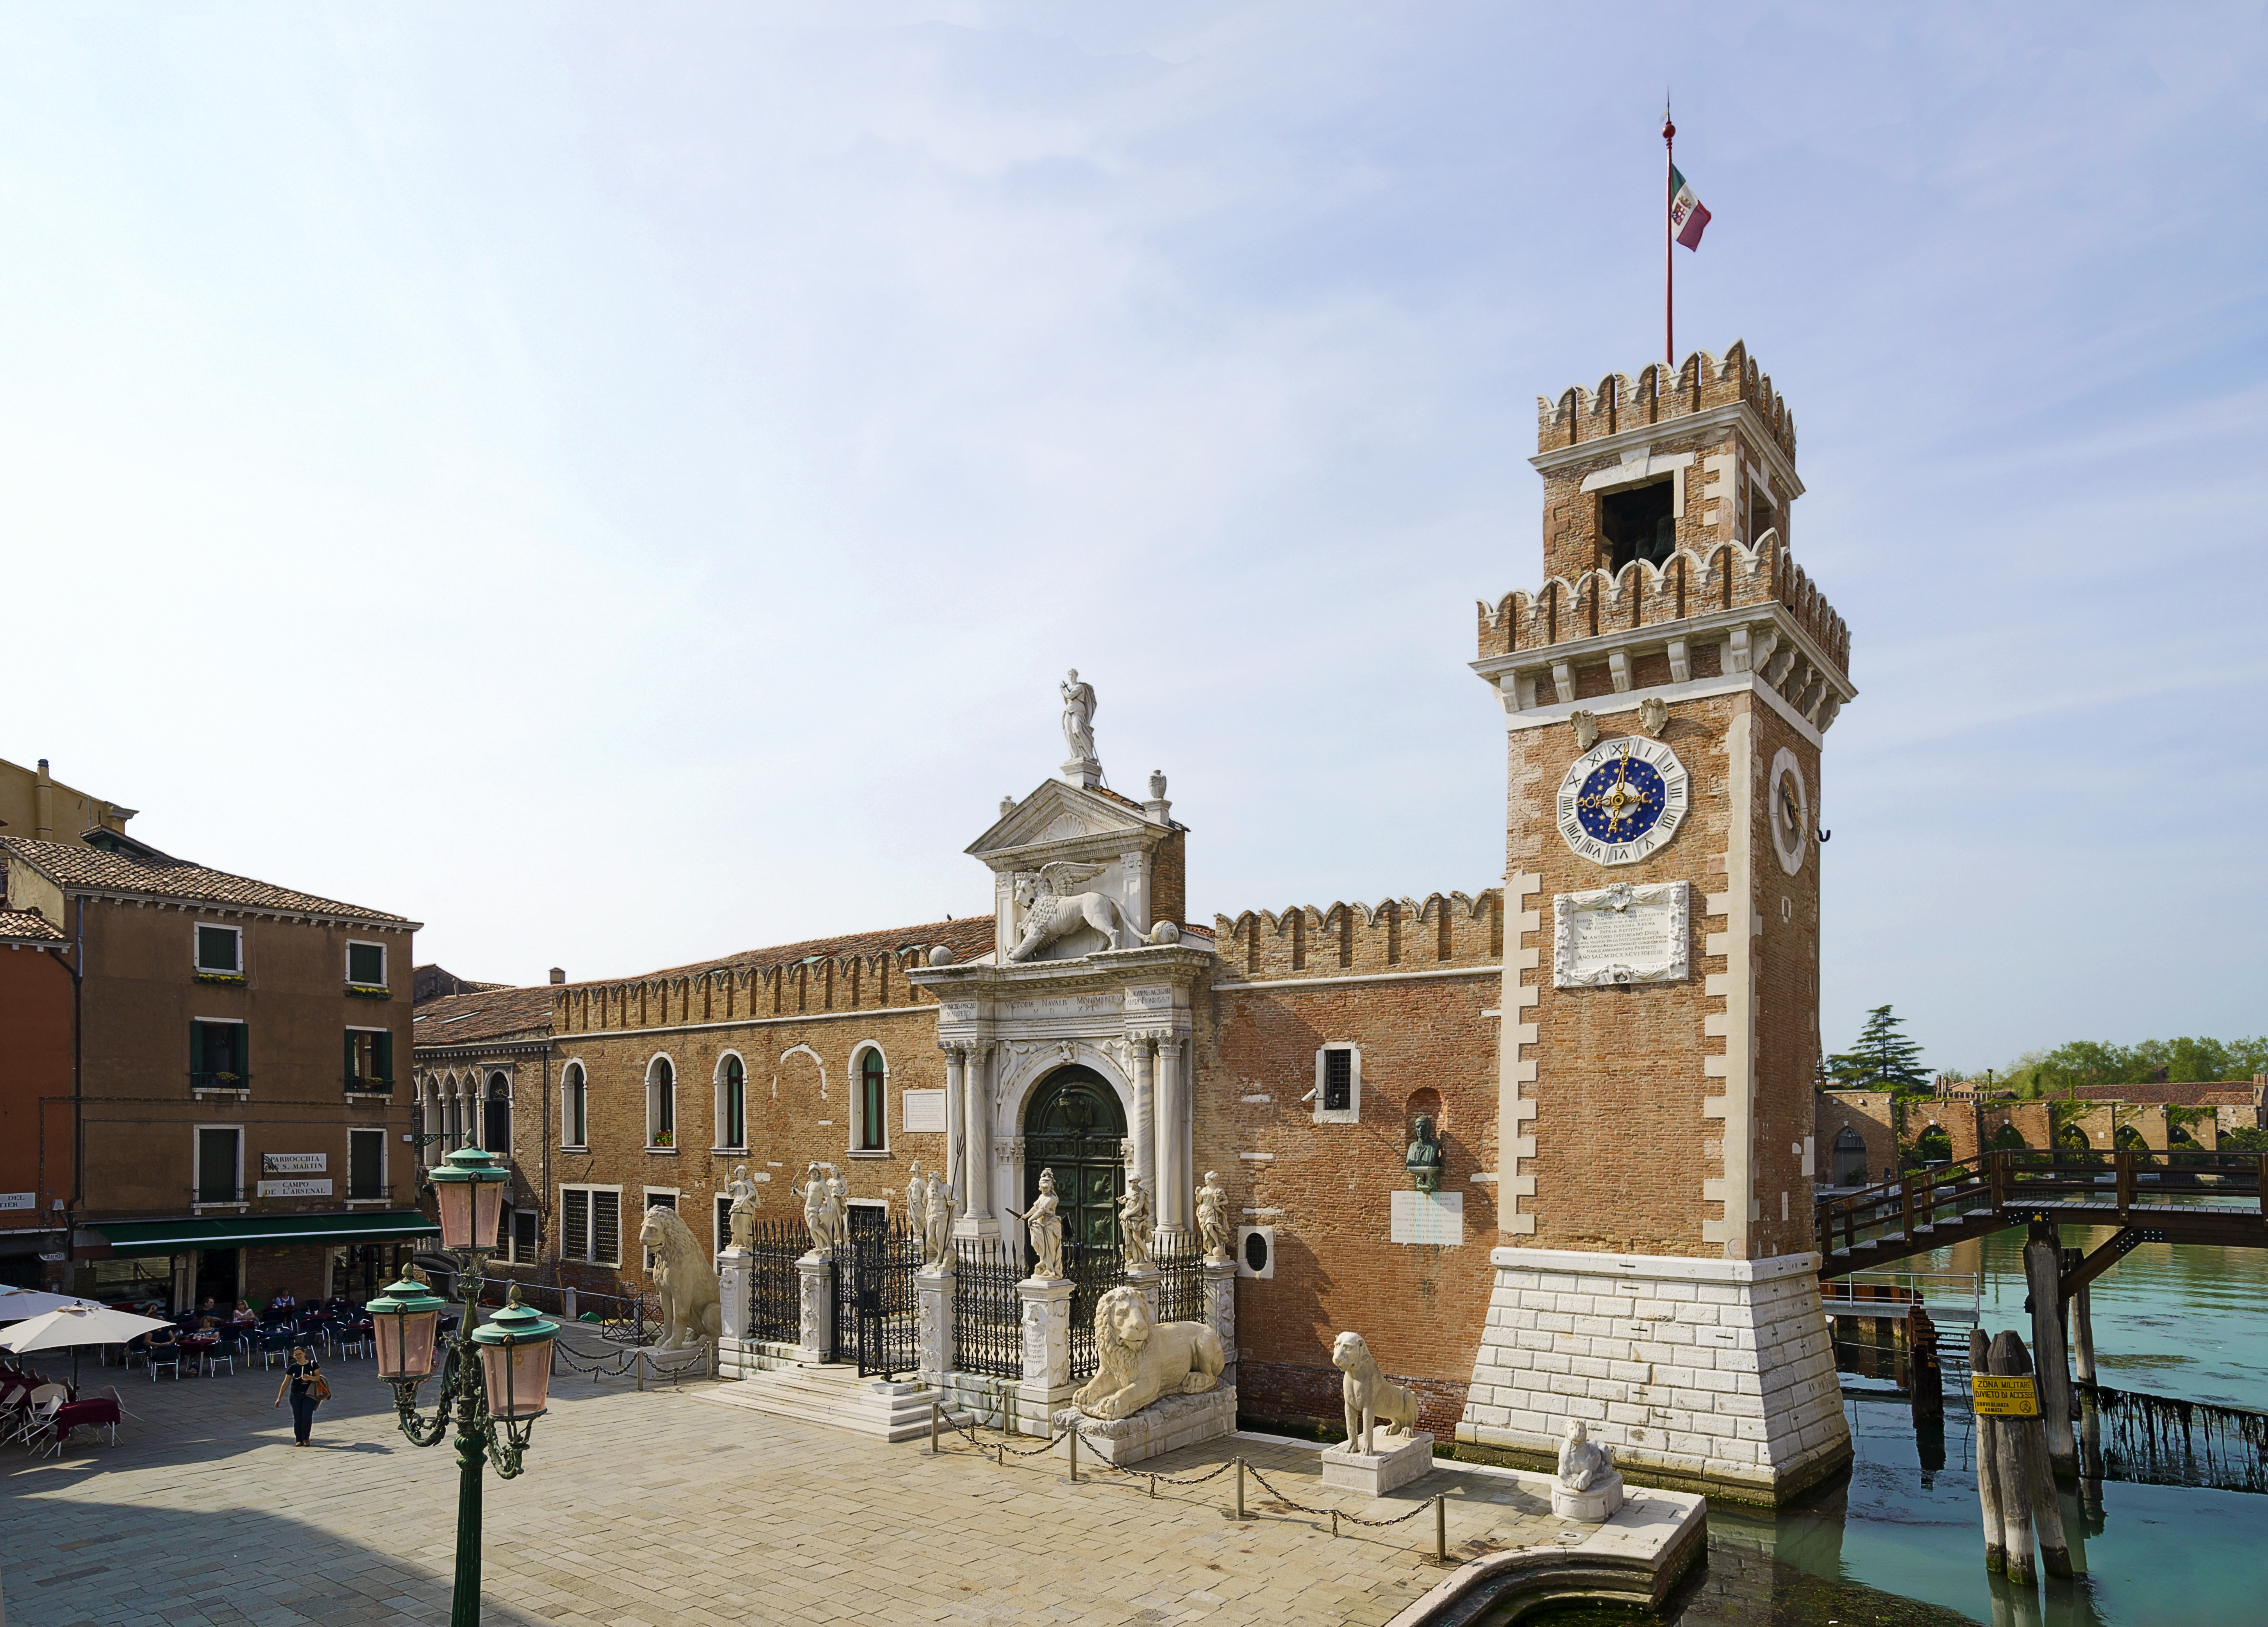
(1637, 523)
(872, 1121)
(732, 1103)
(660, 1104)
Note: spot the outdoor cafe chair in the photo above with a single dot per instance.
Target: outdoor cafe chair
(220, 1349)
(167, 1355)
(36, 1410)
(275, 1345)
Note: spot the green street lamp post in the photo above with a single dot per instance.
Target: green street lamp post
(494, 1380)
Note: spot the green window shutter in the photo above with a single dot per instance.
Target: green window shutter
(382, 1056)
(244, 1052)
(196, 1048)
(350, 1072)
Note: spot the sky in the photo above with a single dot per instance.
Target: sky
(621, 485)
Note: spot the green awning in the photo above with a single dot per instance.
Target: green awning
(173, 1237)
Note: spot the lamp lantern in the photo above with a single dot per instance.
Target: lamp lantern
(403, 1321)
(516, 1360)
(468, 1189)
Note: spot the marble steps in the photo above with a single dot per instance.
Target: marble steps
(833, 1395)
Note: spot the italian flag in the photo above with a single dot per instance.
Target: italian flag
(1688, 217)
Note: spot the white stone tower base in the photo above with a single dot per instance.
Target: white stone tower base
(1714, 1376)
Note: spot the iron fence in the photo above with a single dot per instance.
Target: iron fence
(1094, 1270)
(1182, 1292)
(987, 1319)
(775, 1285)
(885, 1333)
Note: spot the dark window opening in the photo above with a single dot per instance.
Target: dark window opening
(367, 964)
(370, 1058)
(577, 1106)
(1638, 524)
(219, 950)
(1339, 1081)
(523, 1237)
(736, 1118)
(1760, 515)
(216, 1054)
(365, 1163)
(1255, 1251)
(870, 1115)
(496, 1128)
(216, 1158)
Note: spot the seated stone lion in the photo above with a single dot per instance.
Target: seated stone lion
(1138, 1360)
(1370, 1396)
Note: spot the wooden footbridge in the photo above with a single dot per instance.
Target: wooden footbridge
(2218, 1198)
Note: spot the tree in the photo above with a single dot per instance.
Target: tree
(1883, 1059)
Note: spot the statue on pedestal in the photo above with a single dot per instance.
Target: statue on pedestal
(1134, 1222)
(1138, 1361)
(1369, 1396)
(822, 1194)
(916, 1196)
(742, 1215)
(936, 1223)
(1043, 1225)
(1212, 1218)
(1079, 718)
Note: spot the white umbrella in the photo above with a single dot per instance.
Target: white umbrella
(16, 1304)
(74, 1325)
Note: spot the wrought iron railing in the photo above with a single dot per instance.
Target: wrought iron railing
(884, 1334)
(1181, 1291)
(987, 1319)
(775, 1285)
(1094, 1270)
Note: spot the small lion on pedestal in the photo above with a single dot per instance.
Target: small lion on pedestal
(1138, 1361)
(1370, 1396)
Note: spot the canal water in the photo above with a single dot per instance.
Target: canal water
(1899, 1542)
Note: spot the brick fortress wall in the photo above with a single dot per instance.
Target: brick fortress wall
(1370, 978)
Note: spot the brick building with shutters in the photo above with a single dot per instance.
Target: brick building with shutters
(237, 1130)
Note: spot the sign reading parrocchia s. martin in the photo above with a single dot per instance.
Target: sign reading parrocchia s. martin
(2004, 1397)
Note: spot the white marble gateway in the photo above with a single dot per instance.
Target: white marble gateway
(1622, 934)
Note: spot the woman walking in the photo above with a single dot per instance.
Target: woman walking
(303, 1376)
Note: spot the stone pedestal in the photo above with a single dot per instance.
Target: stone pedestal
(733, 1283)
(1046, 1383)
(1729, 1383)
(1220, 1302)
(933, 1321)
(818, 1288)
(1146, 1282)
(1375, 1474)
(1593, 1507)
(1160, 1427)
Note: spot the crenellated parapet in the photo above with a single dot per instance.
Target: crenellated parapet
(727, 993)
(1643, 593)
(1444, 930)
(1658, 395)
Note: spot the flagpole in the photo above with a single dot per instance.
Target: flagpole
(1669, 241)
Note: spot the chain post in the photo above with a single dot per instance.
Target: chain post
(932, 1429)
(1441, 1528)
(1240, 1489)
(1074, 1457)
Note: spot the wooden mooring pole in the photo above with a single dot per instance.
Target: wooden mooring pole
(2044, 1274)
(2037, 1505)
(1988, 1474)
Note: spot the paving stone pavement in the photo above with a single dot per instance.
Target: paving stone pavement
(655, 1509)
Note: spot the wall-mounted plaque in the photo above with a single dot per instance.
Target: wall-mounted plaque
(1435, 1217)
(1622, 934)
(924, 1110)
(295, 1189)
(293, 1163)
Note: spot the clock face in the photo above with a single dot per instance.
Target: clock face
(1623, 799)
(1790, 810)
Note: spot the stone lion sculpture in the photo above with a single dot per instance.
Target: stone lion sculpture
(1139, 1360)
(1370, 1395)
(683, 1276)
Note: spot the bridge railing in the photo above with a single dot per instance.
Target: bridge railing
(2128, 1177)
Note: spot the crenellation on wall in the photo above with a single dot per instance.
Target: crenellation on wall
(1657, 396)
(1442, 932)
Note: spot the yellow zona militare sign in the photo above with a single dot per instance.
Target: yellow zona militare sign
(2004, 1398)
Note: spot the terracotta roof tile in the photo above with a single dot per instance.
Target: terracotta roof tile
(492, 1014)
(28, 924)
(131, 867)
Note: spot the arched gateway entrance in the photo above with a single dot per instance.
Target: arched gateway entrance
(1075, 1126)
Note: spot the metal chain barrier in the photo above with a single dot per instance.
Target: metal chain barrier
(1336, 1514)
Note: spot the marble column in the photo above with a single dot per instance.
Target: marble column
(1046, 1306)
(933, 1320)
(733, 1283)
(1146, 1115)
(818, 1274)
(1176, 1197)
(956, 1120)
(976, 1216)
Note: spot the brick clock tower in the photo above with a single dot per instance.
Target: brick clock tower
(1666, 692)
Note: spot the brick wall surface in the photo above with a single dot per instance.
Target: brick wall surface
(1427, 1047)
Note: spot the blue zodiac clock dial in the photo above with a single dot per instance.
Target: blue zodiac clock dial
(1623, 799)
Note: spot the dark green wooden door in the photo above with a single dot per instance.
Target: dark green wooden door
(1074, 1127)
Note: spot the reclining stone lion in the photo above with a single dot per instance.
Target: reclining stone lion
(1138, 1360)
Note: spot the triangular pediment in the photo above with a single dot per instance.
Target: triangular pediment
(1060, 815)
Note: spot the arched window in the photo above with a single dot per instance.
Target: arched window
(575, 1110)
(1934, 1145)
(732, 1103)
(660, 1104)
(1850, 1154)
(452, 1123)
(874, 1122)
(495, 1126)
